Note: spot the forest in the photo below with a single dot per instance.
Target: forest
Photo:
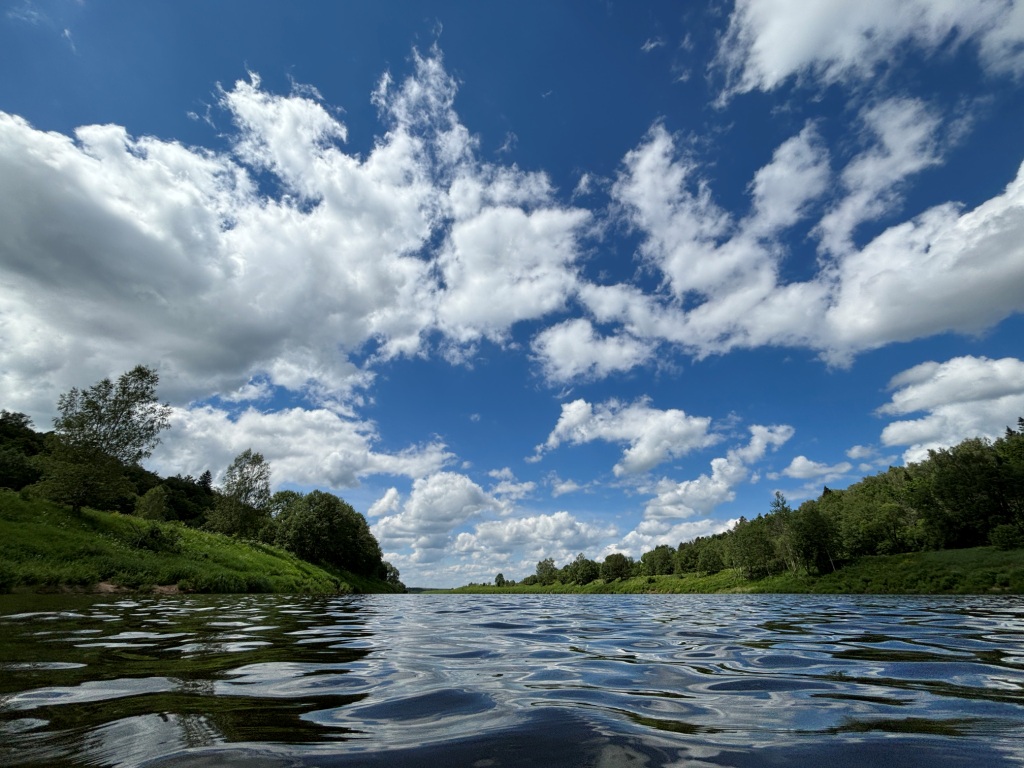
(970, 495)
(91, 459)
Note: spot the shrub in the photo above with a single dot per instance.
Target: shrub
(1006, 537)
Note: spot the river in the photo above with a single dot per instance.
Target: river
(511, 680)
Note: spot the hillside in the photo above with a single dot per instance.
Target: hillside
(46, 547)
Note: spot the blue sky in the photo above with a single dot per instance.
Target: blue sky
(521, 280)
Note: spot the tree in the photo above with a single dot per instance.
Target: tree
(321, 528)
(660, 561)
(243, 508)
(122, 420)
(616, 566)
(499, 580)
(154, 504)
(547, 573)
(392, 576)
(581, 570)
(80, 477)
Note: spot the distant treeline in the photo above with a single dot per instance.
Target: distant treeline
(967, 496)
(91, 459)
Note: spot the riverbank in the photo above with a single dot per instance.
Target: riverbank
(981, 570)
(44, 547)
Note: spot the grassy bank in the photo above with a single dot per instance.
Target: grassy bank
(982, 570)
(45, 547)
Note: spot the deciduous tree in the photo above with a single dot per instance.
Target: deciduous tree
(122, 420)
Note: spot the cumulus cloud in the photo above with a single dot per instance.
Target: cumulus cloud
(961, 398)
(315, 447)
(770, 41)
(942, 270)
(802, 468)
(699, 496)
(437, 505)
(559, 535)
(654, 436)
(653, 533)
(117, 249)
(574, 350)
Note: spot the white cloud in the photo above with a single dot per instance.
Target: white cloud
(653, 533)
(505, 265)
(573, 350)
(437, 505)
(559, 535)
(313, 447)
(680, 500)
(118, 249)
(941, 271)
(860, 452)
(906, 142)
(560, 487)
(961, 398)
(802, 468)
(654, 436)
(782, 190)
(681, 223)
(770, 41)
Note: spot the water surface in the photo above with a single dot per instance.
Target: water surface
(517, 680)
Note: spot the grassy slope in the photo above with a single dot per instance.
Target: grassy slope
(44, 546)
(956, 571)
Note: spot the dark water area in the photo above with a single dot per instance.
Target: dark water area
(517, 680)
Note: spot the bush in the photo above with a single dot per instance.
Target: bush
(1006, 537)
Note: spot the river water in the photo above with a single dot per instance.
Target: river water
(511, 680)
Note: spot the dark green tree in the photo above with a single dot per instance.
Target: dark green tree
(616, 566)
(321, 528)
(499, 580)
(582, 570)
(547, 573)
(81, 477)
(660, 561)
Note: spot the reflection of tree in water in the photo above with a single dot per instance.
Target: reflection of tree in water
(303, 643)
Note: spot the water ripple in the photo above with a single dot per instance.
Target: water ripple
(513, 680)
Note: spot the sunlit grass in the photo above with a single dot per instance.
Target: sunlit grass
(45, 546)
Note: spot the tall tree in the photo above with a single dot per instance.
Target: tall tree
(243, 508)
(122, 420)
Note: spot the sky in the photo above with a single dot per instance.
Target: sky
(521, 280)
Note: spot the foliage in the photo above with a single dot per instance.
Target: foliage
(19, 443)
(122, 420)
(616, 566)
(243, 507)
(580, 571)
(547, 572)
(321, 528)
(153, 505)
(81, 476)
(660, 561)
(44, 546)
(965, 496)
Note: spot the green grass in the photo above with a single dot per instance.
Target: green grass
(983, 570)
(44, 546)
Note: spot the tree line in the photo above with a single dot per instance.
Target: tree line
(92, 459)
(969, 495)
